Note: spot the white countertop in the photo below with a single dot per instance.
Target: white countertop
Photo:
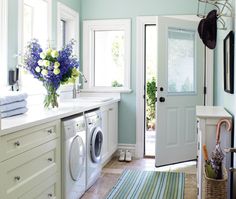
(38, 115)
(212, 112)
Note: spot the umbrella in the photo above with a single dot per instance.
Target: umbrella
(217, 155)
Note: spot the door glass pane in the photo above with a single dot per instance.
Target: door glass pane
(181, 61)
(109, 58)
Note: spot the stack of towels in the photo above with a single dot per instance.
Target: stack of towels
(13, 103)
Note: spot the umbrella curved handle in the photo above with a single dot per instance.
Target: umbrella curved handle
(228, 125)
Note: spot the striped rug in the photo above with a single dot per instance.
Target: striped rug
(136, 184)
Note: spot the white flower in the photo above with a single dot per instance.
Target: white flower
(46, 63)
(40, 62)
(48, 51)
(44, 72)
(56, 71)
(42, 55)
(56, 64)
(54, 54)
(38, 69)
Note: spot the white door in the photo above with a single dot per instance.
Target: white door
(180, 87)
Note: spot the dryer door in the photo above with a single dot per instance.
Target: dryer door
(77, 158)
(96, 145)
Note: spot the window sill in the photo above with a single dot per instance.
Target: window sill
(106, 90)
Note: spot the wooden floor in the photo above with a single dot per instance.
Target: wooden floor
(114, 169)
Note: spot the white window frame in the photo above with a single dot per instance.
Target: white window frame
(20, 25)
(71, 17)
(89, 27)
(21, 47)
(140, 80)
(3, 43)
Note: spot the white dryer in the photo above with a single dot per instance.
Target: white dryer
(94, 146)
(73, 157)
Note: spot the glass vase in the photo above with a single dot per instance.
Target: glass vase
(51, 98)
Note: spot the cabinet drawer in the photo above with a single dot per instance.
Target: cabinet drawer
(45, 190)
(24, 171)
(21, 141)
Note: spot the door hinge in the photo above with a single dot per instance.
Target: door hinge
(144, 96)
(205, 90)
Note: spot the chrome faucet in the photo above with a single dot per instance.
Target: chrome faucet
(76, 88)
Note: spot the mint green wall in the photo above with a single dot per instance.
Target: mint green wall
(104, 9)
(13, 26)
(222, 98)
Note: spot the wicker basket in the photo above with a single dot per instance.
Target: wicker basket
(215, 189)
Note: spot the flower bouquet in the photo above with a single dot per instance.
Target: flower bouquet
(52, 68)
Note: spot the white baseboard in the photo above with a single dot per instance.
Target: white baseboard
(130, 147)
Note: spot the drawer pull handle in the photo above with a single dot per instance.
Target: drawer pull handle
(110, 109)
(17, 178)
(17, 143)
(50, 159)
(50, 131)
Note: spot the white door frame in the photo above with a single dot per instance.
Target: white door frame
(140, 63)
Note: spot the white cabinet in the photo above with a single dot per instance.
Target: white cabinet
(30, 163)
(110, 130)
(207, 119)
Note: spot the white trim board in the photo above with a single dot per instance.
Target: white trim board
(140, 26)
(124, 147)
(140, 29)
(72, 19)
(89, 28)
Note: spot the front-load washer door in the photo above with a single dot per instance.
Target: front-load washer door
(96, 145)
(77, 158)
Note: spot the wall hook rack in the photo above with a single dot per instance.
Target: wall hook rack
(223, 7)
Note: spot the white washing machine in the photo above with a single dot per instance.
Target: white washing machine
(94, 146)
(73, 157)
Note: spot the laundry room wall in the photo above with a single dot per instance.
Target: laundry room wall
(221, 98)
(113, 9)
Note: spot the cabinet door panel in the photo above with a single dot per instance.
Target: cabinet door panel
(24, 172)
(21, 141)
(113, 127)
(46, 189)
(105, 145)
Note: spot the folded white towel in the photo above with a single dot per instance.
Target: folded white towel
(13, 106)
(12, 96)
(14, 112)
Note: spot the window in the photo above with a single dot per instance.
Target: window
(67, 29)
(3, 43)
(35, 20)
(181, 61)
(67, 26)
(107, 55)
